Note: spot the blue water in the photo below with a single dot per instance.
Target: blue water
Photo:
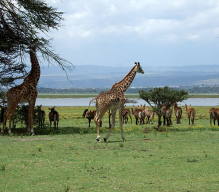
(85, 102)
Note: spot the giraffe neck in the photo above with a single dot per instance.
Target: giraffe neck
(34, 75)
(127, 80)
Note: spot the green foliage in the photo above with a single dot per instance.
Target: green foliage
(163, 96)
(159, 97)
(21, 22)
(20, 115)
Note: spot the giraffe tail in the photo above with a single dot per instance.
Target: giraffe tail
(91, 101)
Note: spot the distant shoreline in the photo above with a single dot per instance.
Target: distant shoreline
(46, 95)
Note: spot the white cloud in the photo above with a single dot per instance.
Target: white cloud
(111, 31)
(146, 19)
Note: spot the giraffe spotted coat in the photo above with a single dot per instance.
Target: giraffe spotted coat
(26, 92)
(114, 99)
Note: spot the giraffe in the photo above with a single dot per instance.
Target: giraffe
(114, 99)
(26, 92)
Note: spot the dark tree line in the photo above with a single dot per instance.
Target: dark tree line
(204, 90)
(190, 90)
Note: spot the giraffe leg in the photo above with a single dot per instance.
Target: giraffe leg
(9, 128)
(113, 124)
(98, 131)
(9, 112)
(98, 117)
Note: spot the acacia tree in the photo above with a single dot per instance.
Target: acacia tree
(21, 21)
(158, 97)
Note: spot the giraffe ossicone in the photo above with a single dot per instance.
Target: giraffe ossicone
(114, 99)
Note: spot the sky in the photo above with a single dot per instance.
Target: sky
(152, 32)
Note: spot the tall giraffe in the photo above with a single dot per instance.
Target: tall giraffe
(26, 92)
(114, 99)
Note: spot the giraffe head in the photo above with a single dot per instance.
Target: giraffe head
(33, 45)
(139, 68)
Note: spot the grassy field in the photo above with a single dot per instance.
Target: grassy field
(175, 158)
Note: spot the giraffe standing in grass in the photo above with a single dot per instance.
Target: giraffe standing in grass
(26, 92)
(114, 99)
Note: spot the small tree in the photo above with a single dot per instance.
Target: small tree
(158, 97)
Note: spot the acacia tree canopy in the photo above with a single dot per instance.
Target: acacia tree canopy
(21, 21)
(158, 97)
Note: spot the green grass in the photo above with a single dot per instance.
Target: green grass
(175, 158)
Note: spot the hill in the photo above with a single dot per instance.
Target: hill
(94, 76)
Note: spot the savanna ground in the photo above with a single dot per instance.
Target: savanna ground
(175, 158)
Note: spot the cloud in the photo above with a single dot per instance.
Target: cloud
(151, 19)
(158, 32)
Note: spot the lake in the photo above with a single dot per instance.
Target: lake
(85, 102)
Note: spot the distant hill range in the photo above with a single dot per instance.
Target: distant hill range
(94, 76)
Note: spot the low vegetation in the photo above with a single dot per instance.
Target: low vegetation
(175, 158)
